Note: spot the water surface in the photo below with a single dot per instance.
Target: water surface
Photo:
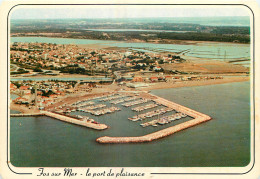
(218, 50)
(223, 141)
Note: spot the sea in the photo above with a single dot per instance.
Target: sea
(223, 141)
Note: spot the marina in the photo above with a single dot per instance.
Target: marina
(151, 113)
(141, 108)
(103, 111)
(164, 120)
(182, 112)
(140, 101)
(123, 100)
(83, 104)
(165, 112)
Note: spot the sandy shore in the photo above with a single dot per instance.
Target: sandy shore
(164, 85)
(23, 108)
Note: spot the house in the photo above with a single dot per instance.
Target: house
(13, 86)
(21, 100)
(154, 79)
(24, 87)
(138, 79)
(157, 68)
(168, 78)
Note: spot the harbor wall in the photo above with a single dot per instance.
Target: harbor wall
(26, 114)
(65, 119)
(198, 119)
(153, 136)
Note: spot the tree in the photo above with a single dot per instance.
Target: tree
(37, 70)
(93, 53)
(160, 62)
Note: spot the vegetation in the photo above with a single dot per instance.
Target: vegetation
(37, 70)
(157, 30)
(19, 71)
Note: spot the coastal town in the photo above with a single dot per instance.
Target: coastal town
(99, 69)
(129, 86)
(78, 83)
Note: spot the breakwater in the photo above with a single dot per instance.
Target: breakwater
(26, 114)
(64, 118)
(198, 119)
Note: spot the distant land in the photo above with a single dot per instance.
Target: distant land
(155, 30)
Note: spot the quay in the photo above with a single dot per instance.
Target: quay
(198, 119)
(155, 135)
(65, 119)
(26, 114)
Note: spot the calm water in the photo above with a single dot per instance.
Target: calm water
(59, 40)
(135, 30)
(13, 96)
(14, 112)
(223, 141)
(220, 51)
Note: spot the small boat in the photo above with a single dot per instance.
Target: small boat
(136, 119)
(80, 117)
(178, 117)
(161, 122)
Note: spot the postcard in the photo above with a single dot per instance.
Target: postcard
(129, 89)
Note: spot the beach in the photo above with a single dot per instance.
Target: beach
(164, 85)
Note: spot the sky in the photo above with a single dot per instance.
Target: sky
(41, 12)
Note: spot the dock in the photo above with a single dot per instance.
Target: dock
(65, 119)
(198, 119)
(155, 135)
(26, 114)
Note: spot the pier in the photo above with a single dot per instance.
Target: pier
(26, 114)
(155, 135)
(65, 119)
(168, 106)
(198, 119)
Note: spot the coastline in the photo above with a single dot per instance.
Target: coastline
(158, 41)
(22, 108)
(166, 85)
(159, 85)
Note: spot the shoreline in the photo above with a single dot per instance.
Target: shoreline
(154, 86)
(198, 117)
(161, 85)
(181, 42)
(22, 108)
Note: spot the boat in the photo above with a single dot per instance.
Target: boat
(136, 119)
(178, 117)
(80, 117)
(161, 122)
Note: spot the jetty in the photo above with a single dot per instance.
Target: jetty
(198, 119)
(128, 104)
(69, 119)
(26, 114)
(142, 108)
